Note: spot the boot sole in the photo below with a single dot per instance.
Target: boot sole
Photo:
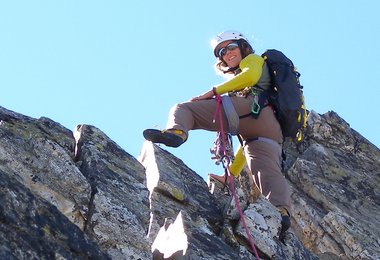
(166, 138)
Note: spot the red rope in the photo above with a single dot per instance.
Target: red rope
(218, 112)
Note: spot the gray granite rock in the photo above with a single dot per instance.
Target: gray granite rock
(78, 195)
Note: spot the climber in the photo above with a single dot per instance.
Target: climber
(260, 137)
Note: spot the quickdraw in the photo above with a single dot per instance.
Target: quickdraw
(222, 153)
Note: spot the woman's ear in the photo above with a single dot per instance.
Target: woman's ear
(247, 47)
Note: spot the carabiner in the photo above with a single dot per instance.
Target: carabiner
(255, 108)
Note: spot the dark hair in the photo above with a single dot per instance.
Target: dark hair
(245, 49)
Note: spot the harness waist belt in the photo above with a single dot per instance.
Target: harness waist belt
(262, 139)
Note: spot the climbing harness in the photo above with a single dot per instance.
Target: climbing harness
(231, 114)
(226, 162)
(222, 150)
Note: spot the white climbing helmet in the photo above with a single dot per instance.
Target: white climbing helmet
(226, 36)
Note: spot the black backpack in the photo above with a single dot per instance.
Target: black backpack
(286, 95)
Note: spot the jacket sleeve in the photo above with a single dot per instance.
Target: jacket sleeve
(239, 162)
(251, 69)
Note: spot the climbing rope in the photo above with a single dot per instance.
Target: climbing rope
(226, 162)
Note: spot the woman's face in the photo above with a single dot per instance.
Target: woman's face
(229, 51)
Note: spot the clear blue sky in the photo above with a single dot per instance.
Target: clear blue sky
(121, 65)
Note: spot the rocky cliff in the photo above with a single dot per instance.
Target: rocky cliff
(78, 195)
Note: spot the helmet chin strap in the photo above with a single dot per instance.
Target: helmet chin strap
(231, 70)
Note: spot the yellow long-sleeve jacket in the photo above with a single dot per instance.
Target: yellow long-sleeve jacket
(251, 70)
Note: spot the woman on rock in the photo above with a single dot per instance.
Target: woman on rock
(257, 127)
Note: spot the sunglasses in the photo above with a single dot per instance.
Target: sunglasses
(230, 47)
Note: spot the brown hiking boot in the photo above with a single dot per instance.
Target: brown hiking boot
(285, 223)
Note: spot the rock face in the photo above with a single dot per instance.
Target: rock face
(78, 195)
(336, 197)
(88, 181)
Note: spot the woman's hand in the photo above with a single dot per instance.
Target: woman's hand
(207, 95)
